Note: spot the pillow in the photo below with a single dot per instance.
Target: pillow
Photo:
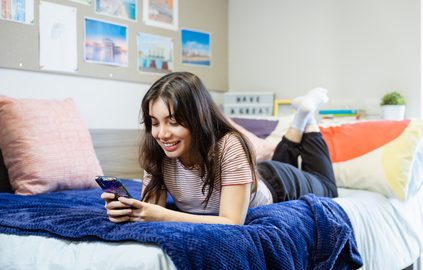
(264, 133)
(4, 177)
(46, 146)
(262, 128)
(381, 156)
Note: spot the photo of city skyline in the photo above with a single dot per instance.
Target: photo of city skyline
(106, 43)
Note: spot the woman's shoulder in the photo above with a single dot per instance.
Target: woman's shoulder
(230, 137)
(230, 140)
(232, 148)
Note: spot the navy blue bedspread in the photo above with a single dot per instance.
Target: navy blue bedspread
(309, 233)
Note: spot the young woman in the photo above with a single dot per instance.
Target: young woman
(193, 152)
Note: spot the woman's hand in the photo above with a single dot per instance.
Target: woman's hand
(117, 211)
(232, 211)
(142, 211)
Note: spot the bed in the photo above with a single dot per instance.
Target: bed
(388, 227)
(380, 240)
(380, 231)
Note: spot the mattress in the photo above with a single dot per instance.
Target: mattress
(389, 234)
(38, 252)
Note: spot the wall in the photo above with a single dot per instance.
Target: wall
(357, 49)
(106, 103)
(102, 103)
(19, 46)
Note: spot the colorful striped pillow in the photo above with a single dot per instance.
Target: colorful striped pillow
(381, 156)
(46, 146)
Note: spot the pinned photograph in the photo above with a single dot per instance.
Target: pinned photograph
(84, 2)
(58, 42)
(161, 13)
(155, 53)
(196, 48)
(21, 11)
(122, 9)
(106, 43)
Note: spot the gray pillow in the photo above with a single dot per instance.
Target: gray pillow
(4, 177)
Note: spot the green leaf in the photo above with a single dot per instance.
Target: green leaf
(392, 98)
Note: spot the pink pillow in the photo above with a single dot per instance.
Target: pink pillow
(46, 146)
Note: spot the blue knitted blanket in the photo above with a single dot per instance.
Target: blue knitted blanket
(310, 233)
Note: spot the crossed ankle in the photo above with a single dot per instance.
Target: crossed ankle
(311, 101)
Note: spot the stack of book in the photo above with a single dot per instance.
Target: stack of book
(341, 114)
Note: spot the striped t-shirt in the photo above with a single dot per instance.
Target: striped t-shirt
(185, 184)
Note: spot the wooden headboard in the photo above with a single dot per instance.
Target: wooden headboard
(117, 151)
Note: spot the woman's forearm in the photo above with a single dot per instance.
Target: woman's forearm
(176, 216)
(142, 211)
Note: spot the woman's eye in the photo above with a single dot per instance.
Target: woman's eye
(173, 122)
(154, 124)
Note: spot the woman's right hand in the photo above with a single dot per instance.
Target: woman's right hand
(117, 211)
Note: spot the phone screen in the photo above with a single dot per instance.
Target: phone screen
(112, 185)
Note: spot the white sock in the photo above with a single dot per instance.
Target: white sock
(306, 106)
(312, 120)
(300, 120)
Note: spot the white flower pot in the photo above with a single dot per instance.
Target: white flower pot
(393, 112)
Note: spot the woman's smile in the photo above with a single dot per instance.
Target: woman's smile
(170, 146)
(173, 138)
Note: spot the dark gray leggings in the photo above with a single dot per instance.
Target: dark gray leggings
(288, 182)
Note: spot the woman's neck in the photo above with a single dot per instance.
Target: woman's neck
(189, 163)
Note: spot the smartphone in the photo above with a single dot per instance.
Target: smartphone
(113, 185)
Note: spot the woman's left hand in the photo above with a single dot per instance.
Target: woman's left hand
(142, 211)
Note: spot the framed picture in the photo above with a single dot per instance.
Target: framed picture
(196, 48)
(161, 13)
(155, 53)
(122, 9)
(58, 37)
(84, 2)
(21, 11)
(106, 43)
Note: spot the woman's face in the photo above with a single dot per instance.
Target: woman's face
(173, 138)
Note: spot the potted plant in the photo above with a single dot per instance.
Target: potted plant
(393, 106)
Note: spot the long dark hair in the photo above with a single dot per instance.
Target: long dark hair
(194, 109)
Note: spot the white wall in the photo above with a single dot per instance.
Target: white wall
(102, 103)
(357, 49)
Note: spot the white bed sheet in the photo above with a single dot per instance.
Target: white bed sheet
(389, 232)
(37, 252)
(389, 235)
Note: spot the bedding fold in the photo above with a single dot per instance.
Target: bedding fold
(309, 233)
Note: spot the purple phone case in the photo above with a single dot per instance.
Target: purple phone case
(113, 185)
